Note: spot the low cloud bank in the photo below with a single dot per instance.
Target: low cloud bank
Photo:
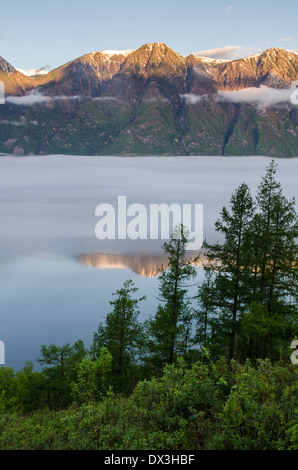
(21, 122)
(105, 98)
(35, 97)
(190, 98)
(262, 97)
(27, 100)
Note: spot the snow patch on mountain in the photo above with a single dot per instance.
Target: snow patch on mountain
(208, 60)
(111, 53)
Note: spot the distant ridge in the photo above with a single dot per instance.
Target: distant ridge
(152, 101)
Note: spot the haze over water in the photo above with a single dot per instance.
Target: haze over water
(56, 277)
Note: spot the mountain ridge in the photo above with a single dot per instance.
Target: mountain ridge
(133, 62)
(151, 101)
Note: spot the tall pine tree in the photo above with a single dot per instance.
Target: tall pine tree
(271, 319)
(229, 262)
(170, 329)
(122, 335)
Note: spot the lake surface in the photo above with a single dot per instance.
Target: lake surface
(56, 277)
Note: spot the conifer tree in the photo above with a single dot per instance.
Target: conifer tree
(270, 321)
(122, 334)
(274, 248)
(229, 261)
(206, 311)
(170, 330)
(254, 273)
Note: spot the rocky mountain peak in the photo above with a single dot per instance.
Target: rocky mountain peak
(154, 59)
(6, 67)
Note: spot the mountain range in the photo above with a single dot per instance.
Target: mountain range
(153, 101)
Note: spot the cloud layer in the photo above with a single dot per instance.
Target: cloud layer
(227, 52)
(190, 98)
(36, 97)
(262, 97)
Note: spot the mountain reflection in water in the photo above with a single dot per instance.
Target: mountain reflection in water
(146, 265)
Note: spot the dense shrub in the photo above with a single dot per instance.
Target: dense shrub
(203, 406)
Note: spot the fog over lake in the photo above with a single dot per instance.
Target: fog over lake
(56, 277)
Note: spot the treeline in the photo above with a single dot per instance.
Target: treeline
(210, 370)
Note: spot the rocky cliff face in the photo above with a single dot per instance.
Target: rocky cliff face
(152, 101)
(14, 81)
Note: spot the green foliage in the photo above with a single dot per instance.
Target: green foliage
(9, 388)
(273, 248)
(170, 329)
(217, 406)
(22, 391)
(122, 335)
(266, 334)
(229, 262)
(261, 409)
(91, 376)
(248, 301)
(60, 370)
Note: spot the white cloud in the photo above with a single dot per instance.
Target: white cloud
(28, 100)
(262, 96)
(35, 97)
(227, 52)
(105, 98)
(21, 122)
(12, 123)
(190, 98)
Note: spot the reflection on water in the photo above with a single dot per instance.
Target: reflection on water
(54, 299)
(146, 265)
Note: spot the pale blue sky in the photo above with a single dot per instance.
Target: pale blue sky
(35, 33)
